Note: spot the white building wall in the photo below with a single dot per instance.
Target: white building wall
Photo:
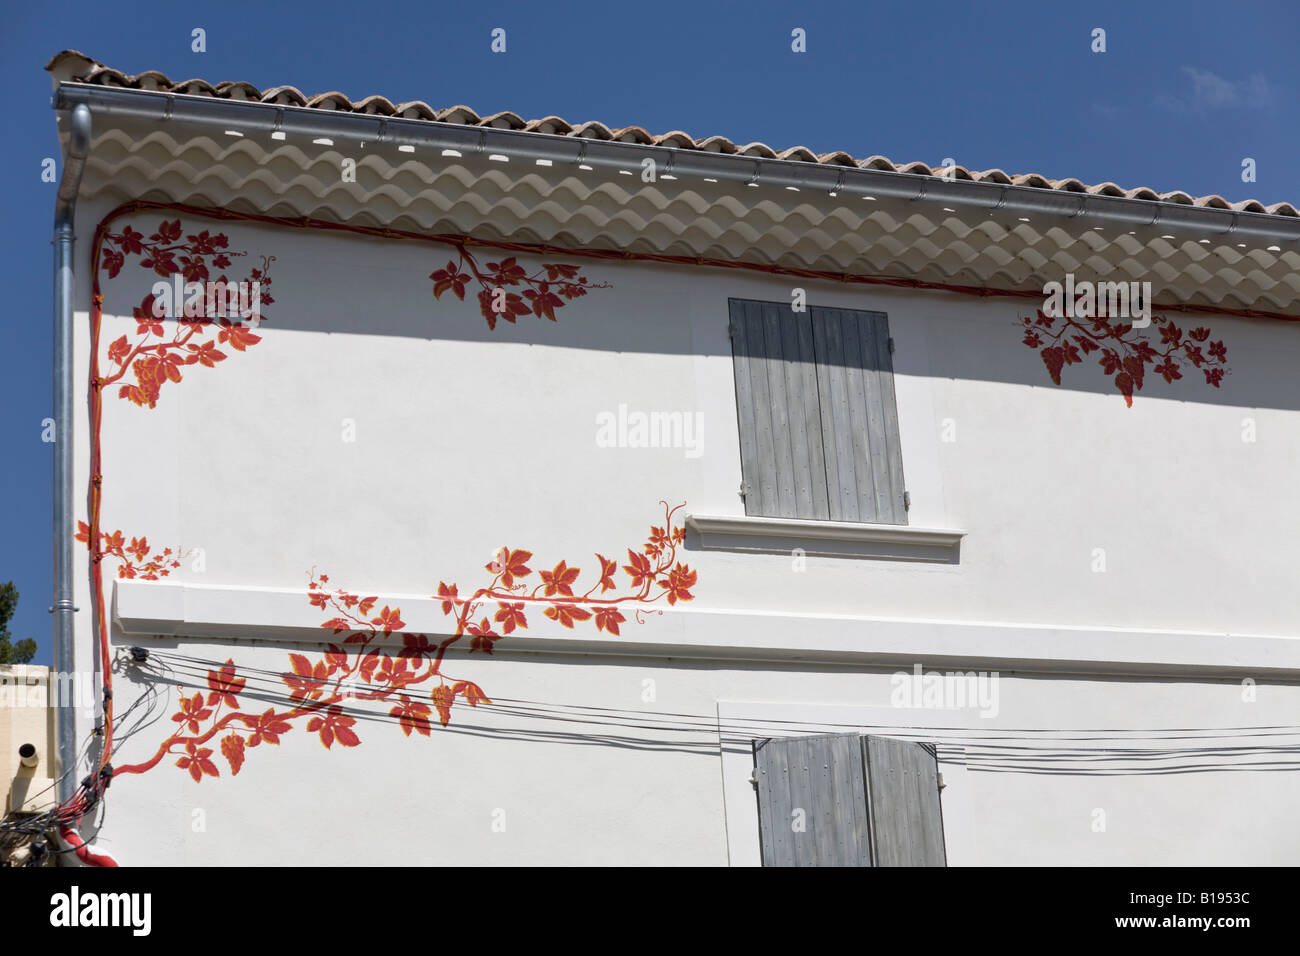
(469, 439)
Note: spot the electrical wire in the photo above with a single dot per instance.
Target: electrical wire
(1022, 749)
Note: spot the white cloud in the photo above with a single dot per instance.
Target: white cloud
(1210, 91)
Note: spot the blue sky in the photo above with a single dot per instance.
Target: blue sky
(1182, 94)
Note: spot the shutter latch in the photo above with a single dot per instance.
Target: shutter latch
(907, 501)
(891, 345)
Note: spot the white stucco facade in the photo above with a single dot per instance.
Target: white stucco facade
(395, 442)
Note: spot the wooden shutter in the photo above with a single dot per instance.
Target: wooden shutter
(811, 802)
(782, 464)
(847, 800)
(817, 415)
(903, 794)
(855, 381)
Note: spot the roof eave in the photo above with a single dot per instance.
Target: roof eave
(1075, 210)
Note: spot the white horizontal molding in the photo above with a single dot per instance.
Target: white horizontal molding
(218, 612)
(849, 539)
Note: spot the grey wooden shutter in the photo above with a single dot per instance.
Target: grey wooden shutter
(782, 464)
(817, 414)
(855, 381)
(903, 794)
(812, 806)
(846, 800)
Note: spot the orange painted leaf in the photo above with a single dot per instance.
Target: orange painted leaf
(608, 619)
(510, 616)
(607, 569)
(566, 614)
(560, 580)
(389, 620)
(447, 594)
(268, 726)
(224, 685)
(472, 693)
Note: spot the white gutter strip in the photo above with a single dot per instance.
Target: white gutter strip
(206, 113)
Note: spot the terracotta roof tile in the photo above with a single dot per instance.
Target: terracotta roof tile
(592, 130)
(284, 96)
(549, 124)
(503, 120)
(71, 65)
(717, 144)
(416, 109)
(376, 105)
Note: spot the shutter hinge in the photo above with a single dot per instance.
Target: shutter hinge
(741, 492)
(753, 776)
(731, 330)
(907, 501)
(891, 345)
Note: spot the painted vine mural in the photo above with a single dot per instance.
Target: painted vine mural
(155, 355)
(372, 657)
(1123, 351)
(544, 291)
(366, 662)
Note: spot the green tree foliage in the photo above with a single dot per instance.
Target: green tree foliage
(19, 652)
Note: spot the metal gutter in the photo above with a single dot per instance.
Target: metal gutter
(65, 210)
(205, 113)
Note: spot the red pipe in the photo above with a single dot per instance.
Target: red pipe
(84, 853)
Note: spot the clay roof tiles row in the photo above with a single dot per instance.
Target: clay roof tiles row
(71, 65)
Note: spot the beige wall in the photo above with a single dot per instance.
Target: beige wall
(25, 717)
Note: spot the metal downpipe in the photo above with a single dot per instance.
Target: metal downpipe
(79, 127)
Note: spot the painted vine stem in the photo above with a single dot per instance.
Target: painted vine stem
(1123, 351)
(366, 665)
(154, 355)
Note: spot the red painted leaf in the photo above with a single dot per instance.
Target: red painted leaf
(566, 614)
(510, 616)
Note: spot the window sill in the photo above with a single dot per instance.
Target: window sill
(841, 539)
